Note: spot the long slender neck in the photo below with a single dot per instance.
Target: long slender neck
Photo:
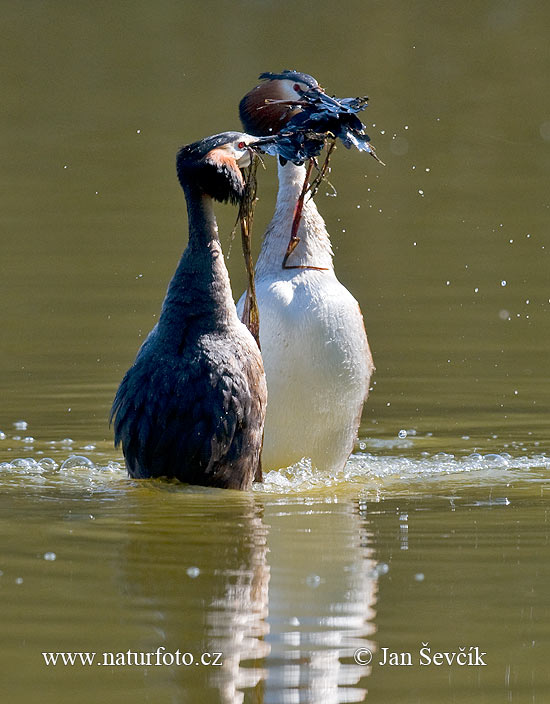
(199, 297)
(314, 248)
(203, 227)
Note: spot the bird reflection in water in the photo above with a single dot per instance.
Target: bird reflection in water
(286, 596)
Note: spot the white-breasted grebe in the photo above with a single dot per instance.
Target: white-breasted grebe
(316, 355)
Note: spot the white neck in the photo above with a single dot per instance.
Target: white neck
(314, 248)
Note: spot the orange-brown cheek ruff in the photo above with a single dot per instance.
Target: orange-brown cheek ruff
(221, 177)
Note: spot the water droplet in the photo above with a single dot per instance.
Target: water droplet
(419, 577)
(50, 556)
(20, 425)
(503, 282)
(192, 572)
(402, 434)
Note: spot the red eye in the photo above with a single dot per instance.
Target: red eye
(297, 88)
(241, 145)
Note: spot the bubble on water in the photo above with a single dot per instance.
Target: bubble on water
(19, 580)
(313, 581)
(419, 577)
(26, 463)
(3, 436)
(20, 425)
(50, 556)
(504, 314)
(503, 282)
(74, 461)
(67, 441)
(28, 440)
(402, 434)
(421, 191)
(48, 463)
(193, 572)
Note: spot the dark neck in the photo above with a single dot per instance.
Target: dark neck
(203, 227)
(199, 298)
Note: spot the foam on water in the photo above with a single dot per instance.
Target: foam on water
(373, 471)
(64, 464)
(364, 470)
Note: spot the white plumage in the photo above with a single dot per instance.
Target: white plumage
(314, 346)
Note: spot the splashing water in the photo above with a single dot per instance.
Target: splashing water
(372, 470)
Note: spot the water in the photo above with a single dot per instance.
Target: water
(437, 529)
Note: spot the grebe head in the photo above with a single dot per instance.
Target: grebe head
(213, 165)
(265, 118)
(294, 113)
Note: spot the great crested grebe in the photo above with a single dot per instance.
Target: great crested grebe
(316, 355)
(192, 406)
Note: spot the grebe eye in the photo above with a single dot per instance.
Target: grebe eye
(241, 145)
(297, 88)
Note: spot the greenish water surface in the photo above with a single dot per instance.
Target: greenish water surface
(437, 531)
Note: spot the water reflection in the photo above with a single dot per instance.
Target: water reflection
(199, 575)
(287, 615)
(321, 601)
